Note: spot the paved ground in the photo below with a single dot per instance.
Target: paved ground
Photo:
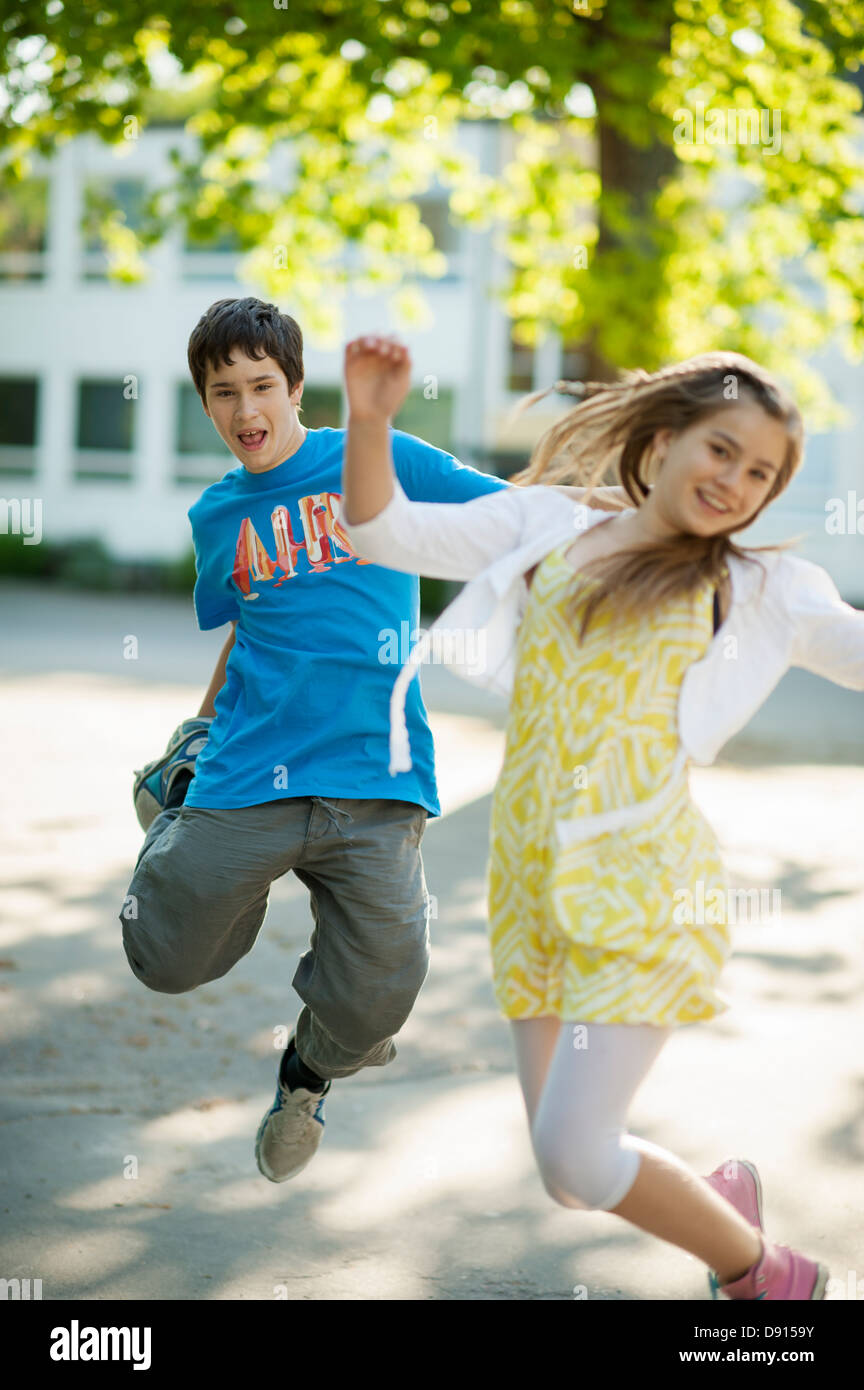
(425, 1186)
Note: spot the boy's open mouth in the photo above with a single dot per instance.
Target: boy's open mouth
(252, 439)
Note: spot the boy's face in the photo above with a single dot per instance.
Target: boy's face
(253, 410)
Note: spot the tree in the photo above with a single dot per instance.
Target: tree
(613, 214)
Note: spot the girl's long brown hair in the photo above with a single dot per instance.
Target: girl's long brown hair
(609, 435)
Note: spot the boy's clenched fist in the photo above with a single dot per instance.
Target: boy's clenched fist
(377, 376)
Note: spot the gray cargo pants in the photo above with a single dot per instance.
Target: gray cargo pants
(198, 896)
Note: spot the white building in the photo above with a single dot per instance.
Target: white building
(99, 418)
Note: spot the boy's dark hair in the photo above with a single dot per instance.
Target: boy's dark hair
(260, 329)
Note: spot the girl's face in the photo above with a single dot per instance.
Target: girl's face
(716, 474)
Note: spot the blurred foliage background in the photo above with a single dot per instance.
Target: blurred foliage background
(367, 96)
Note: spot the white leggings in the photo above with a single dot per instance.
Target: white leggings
(577, 1117)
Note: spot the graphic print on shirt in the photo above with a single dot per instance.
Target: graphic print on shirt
(322, 534)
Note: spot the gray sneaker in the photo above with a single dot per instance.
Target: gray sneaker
(290, 1132)
(154, 782)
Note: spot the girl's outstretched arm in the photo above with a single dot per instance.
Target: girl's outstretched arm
(829, 633)
(444, 540)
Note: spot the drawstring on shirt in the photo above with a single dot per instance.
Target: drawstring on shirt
(400, 745)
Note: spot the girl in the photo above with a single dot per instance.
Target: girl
(618, 676)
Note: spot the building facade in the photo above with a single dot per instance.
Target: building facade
(99, 419)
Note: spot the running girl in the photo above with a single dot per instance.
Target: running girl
(619, 677)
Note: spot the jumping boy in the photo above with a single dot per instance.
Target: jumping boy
(285, 767)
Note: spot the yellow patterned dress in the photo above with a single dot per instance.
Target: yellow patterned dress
(608, 929)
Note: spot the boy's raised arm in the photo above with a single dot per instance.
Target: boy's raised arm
(377, 378)
(444, 540)
(367, 478)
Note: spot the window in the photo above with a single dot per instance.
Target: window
(201, 456)
(574, 362)
(226, 240)
(196, 433)
(520, 366)
(321, 407)
(431, 420)
(435, 214)
(104, 415)
(19, 397)
(102, 196)
(105, 430)
(209, 253)
(23, 219)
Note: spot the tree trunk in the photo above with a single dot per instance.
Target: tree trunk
(638, 173)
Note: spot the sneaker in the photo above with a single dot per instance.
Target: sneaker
(154, 783)
(738, 1181)
(291, 1131)
(781, 1275)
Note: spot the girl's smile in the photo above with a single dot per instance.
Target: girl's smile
(713, 506)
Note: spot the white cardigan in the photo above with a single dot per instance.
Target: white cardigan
(796, 618)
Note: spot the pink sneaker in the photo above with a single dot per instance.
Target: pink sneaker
(738, 1181)
(780, 1275)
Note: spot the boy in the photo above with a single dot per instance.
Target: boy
(285, 766)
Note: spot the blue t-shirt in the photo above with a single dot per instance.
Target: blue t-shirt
(321, 634)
